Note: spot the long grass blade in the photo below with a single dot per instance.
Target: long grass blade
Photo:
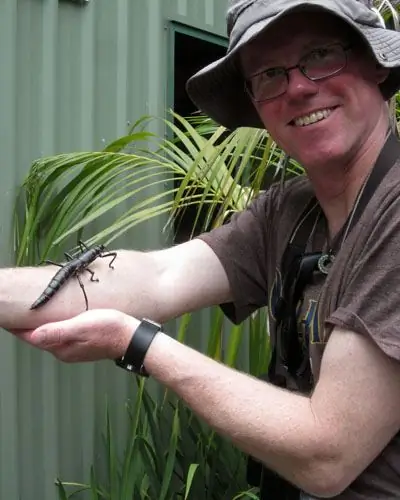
(170, 463)
(189, 480)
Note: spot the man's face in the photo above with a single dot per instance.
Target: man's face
(349, 102)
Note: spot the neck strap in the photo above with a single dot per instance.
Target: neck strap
(386, 159)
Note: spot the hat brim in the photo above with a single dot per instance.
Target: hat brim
(218, 89)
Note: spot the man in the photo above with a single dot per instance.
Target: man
(318, 76)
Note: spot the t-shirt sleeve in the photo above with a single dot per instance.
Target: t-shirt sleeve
(370, 303)
(240, 245)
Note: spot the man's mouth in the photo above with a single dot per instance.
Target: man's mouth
(314, 117)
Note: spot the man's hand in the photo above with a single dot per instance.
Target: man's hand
(90, 336)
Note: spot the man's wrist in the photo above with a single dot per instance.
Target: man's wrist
(141, 339)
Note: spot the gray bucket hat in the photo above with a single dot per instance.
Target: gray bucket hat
(218, 89)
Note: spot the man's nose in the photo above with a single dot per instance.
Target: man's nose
(299, 85)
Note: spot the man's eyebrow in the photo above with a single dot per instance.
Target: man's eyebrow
(273, 63)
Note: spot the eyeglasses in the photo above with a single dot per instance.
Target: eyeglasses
(317, 64)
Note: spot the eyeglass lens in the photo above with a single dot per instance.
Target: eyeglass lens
(317, 64)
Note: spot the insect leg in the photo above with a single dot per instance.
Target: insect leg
(50, 262)
(83, 246)
(92, 273)
(83, 290)
(68, 256)
(47, 261)
(109, 255)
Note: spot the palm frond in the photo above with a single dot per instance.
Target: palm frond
(199, 164)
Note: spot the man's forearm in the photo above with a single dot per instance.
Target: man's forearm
(160, 285)
(276, 426)
(129, 287)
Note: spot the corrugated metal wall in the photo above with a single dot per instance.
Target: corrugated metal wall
(72, 78)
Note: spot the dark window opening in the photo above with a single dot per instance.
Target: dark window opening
(191, 54)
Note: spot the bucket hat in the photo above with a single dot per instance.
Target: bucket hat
(218, 89)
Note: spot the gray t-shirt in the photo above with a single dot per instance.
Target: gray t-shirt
(360, 292)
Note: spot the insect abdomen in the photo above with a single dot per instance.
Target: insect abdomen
(54, 284)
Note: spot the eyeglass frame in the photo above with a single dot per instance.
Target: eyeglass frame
(299, 66)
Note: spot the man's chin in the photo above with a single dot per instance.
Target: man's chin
(322, 161)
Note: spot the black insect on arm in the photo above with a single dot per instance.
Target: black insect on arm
(73, 267)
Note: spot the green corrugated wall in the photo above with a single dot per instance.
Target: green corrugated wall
(72, 77)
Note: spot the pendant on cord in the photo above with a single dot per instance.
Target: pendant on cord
(325, 262)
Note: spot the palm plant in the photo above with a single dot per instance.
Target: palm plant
(202, 165)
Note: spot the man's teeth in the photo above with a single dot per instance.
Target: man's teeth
(313, 117)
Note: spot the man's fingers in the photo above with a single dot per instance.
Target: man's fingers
(45, 337)
(50, 335)
(85, 337)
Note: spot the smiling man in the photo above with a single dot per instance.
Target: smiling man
(322, 252)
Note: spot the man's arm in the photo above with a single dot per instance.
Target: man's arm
(160, 285)
(321, 443)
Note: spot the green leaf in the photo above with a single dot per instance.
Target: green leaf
(112, 465)
(183, 326)
(131, 468)
(214, 348)
(62, 494)
(190, 476)
(123, 142)
(247, 494)
(170, 463)
(93, 483)
(234, 343)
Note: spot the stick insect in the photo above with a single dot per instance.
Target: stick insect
(73, 267)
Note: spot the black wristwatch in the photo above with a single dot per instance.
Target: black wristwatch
(143, 336)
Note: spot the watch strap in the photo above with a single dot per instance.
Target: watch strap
(133, 358)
